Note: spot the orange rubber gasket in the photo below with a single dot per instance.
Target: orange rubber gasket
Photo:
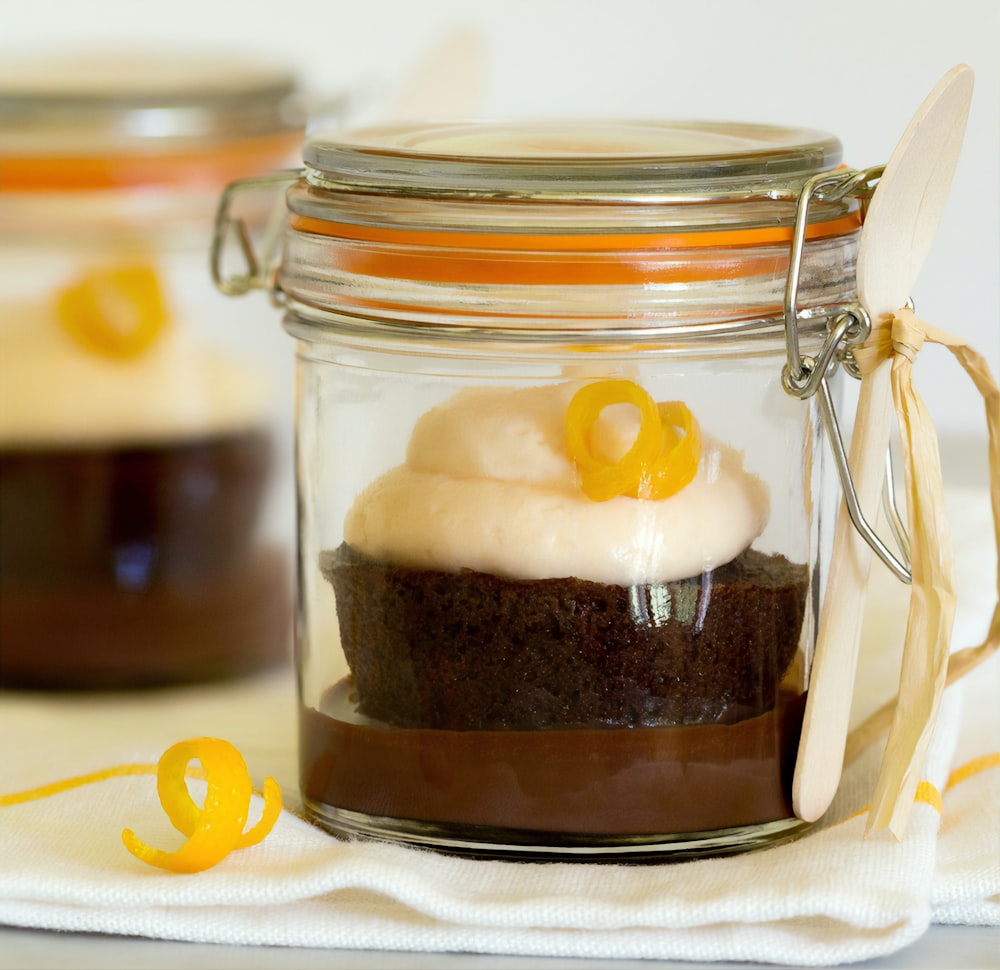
(445, 256)
(214, 164)
(562, 242)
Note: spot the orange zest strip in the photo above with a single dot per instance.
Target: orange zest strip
(602, 479)
(272, 809)
(216, 829)
(58, 787)
(679, 457)
(116, 313)
(660, 461)
(185, 815)
(221, 761)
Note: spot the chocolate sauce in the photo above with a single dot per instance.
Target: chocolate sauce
(138, 566)
(598, 781)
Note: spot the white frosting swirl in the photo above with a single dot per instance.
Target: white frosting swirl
(53, 392)
(487, 485)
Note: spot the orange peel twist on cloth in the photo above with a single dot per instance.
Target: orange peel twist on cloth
(215, 829)
(927, 666)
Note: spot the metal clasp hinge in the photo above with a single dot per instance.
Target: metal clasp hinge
(260, 272)
(848, 326)
(825, 187)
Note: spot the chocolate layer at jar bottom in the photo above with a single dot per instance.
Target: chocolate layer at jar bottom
(597, 781)
(96, 635)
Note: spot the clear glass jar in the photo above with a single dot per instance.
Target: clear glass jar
(562, 530)
(136, 436)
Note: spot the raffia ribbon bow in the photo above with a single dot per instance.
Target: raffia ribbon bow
(927, 665)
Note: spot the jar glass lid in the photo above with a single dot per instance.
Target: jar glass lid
(606, 160)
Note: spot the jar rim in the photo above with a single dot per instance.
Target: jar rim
(581, 160)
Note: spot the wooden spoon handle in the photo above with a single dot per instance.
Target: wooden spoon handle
(831, 682)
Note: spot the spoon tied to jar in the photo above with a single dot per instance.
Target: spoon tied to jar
(895, 239)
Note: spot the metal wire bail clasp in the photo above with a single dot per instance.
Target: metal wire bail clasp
(848, 325)
(260, 271)
(825, 187)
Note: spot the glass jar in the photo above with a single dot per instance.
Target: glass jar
(563, 531)
(136, 435)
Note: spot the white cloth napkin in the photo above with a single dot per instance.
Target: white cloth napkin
(830, 897)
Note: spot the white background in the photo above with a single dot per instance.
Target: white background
(856, 68)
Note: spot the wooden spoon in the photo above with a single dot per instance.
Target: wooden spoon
(895, 239)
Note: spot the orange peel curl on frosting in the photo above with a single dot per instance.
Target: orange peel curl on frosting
(661, 461)
(115, 313)
(215, 829)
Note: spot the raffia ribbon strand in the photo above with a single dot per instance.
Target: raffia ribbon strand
(926, 667)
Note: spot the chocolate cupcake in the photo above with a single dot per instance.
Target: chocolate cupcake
(473, 651)
(478, 588)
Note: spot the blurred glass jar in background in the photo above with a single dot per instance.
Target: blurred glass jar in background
(135, 440)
